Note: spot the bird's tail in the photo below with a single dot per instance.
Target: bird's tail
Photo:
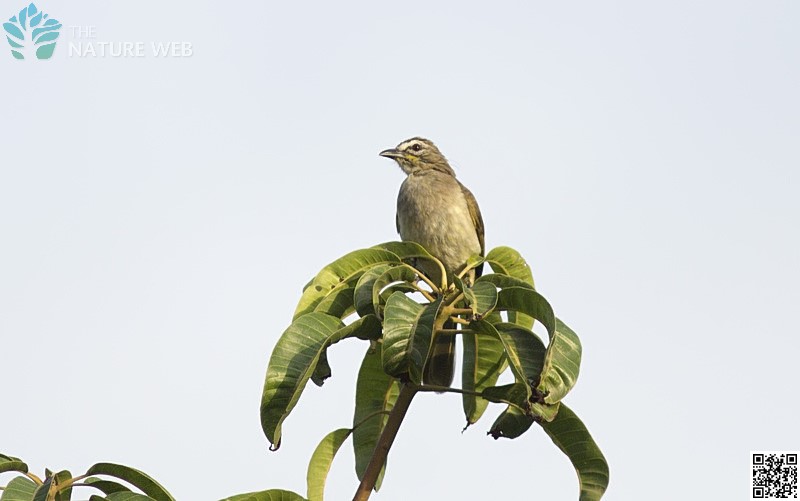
(440, 368)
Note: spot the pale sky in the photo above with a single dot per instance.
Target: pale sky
(160, 215)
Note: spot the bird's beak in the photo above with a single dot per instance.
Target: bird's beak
(391, 153)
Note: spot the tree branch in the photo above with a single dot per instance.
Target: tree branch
(378, 459)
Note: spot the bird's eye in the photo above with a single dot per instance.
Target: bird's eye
(416, 147)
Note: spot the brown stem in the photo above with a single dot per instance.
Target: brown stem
(378, 459)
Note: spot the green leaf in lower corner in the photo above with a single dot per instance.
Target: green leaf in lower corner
(270, 495)
(509, 262)
(347, 268)
(321, 460)
(407, 336)
(138, 479)
(19, 489)
(376, 393)
(571, 436)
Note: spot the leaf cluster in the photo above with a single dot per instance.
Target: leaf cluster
(381, 296)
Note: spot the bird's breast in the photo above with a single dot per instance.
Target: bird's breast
(432, 211)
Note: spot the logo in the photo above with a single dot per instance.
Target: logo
(32, 32)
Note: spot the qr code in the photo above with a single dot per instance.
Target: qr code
(774, 475)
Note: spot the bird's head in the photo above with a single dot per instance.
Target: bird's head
(418, 154)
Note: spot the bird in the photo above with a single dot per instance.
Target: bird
(438, 212)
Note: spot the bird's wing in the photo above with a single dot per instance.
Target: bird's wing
(477, 221)
(397, 221)
(475, 214)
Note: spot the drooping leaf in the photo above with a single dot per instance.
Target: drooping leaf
(509, 262)
(270, 495)
(561, 364)
(366, 327)
(9, 463)
(136, 478)
(19, 489)
(571, 436)
(407, 336)
(348, 268)
(376, 393)
(321, 460)
(293, 360)
(484, 361)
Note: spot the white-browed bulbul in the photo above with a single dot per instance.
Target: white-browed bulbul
(438, 212)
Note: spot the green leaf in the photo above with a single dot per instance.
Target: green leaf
(407, 337)
(106, 486)
(525, 354)
(138, 479)
(571, 436)
(561, 364)
(60, 479)
(345, 269)
(293, 360)
(19, 489)
(473, 261)
(9, 463)
(321, 460)
(482, 298)
(128, 496)
(527, 301)
(509, 262)
(406, 250)
(270, 495)
(339, 302)
(503, 282)
(367, 327)
(43, 491)
(369, 287)
(484, 361)
(376, 393)
(511, 423)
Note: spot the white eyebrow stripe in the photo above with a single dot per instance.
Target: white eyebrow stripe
(407, 144)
